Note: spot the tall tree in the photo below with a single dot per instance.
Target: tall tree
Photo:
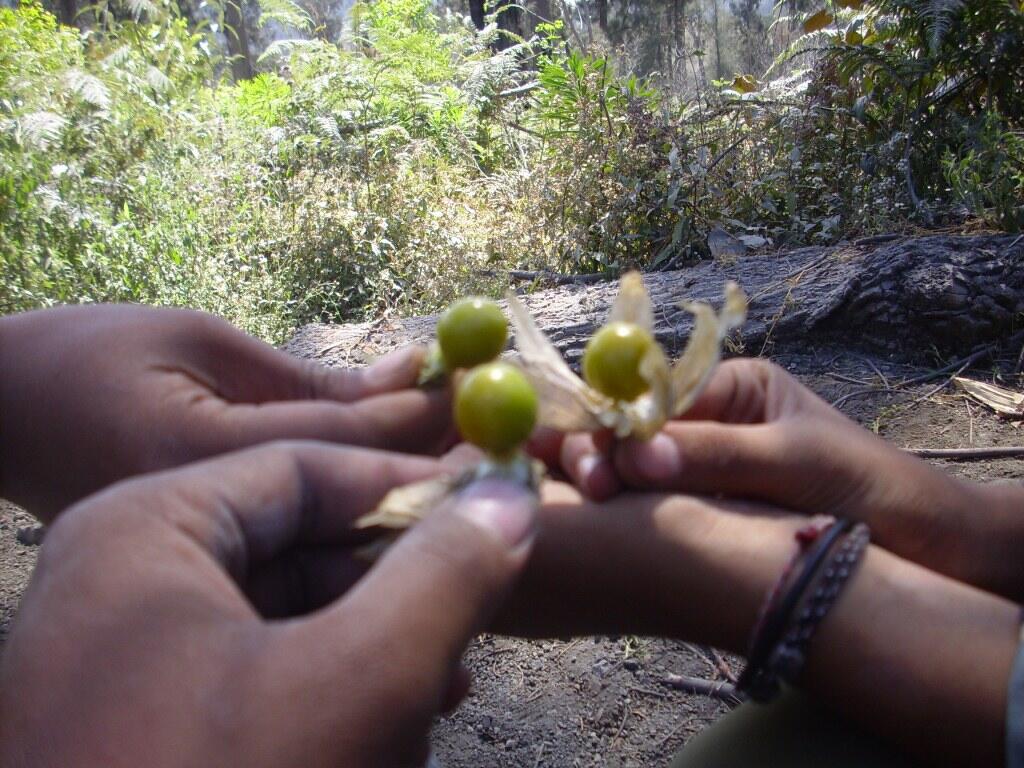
(67, 12)
(237, 35)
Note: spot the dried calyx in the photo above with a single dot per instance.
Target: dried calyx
(632, 390)
(650, 390)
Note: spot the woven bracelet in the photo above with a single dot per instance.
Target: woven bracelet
(790, 655)
(759, 679)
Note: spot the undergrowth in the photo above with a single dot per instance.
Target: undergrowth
(416, 162)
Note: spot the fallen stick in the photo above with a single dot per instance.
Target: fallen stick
(715, 689)
(968, 454)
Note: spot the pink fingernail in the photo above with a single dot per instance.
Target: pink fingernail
(586, 466)
(505, 510)
(658, 459)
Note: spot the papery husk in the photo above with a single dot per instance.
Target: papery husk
(1005, 402)
(703, 349)
(569, 404)
(403, 507)
(565, 401)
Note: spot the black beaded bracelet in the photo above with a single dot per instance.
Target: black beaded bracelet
(759, 679)
(790, 655)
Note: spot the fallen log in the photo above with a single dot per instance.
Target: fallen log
(908, 295)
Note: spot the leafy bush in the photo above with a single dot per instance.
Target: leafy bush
(988, 173)
(416, 161)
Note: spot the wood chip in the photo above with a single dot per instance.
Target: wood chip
(1005, 402)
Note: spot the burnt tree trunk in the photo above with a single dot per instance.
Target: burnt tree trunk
(602, 15)
(237, 36)
(909, 295)
(508, 16)
(68, 12)
(477, 13)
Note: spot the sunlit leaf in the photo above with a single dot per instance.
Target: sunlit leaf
(87, 87)
(744, 83)
(817, 21)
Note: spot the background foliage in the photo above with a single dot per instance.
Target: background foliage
(388, 156)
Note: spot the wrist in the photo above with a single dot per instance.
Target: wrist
(994, 530)
(726, 564)
(668, 566)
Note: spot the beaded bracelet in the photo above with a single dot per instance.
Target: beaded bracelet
(790, 654)
(792, 611)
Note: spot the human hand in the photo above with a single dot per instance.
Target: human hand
(91, 395)
(699, 569)
(757, 433)
(140, 640)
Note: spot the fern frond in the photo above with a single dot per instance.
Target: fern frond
(117, 58)
(157, 80)
(141, 8)
(283, 48)
(328, 127)
(488, 76)
(939, 16)
(287, 13)
(805, 44)
(41, 129)
(87, 87)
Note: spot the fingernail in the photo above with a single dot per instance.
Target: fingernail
(395, 366)
(505, 510)
(586, 466)
(657, 459)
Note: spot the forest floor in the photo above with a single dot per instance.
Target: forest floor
(603, 702)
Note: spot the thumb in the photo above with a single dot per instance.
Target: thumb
(439, 585)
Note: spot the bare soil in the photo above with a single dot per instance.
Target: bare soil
(602, 702)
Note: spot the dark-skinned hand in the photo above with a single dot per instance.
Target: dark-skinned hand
(757, 433)
(92, 395)
(143, 639)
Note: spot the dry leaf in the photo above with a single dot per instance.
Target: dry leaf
(403, 507)
(744, 83)
(568, 404)
(817, 21)
(1003, 401)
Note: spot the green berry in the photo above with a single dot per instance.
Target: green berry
(471, 332)
(496, 408)
(611, 361)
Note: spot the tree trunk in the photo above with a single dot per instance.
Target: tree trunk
(602, 15)
(908, 295)
(477, 13)
(718, 40)
(68, 12)
(238, 40)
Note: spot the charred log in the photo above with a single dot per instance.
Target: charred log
(909, 295)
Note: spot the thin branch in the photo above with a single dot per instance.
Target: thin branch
(516, 91)
(941, 386)
(968, 454)
(721, 690)
(858, 393)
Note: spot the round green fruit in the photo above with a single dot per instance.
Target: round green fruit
(471, 332)
(611, 361)
(496, 408)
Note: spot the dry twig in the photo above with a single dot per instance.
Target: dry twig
(969, 454)
(721, 690)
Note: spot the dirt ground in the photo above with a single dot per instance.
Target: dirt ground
(603, 702)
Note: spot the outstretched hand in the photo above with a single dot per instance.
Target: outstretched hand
(757, 433)
(142, 638)
(91, 395)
